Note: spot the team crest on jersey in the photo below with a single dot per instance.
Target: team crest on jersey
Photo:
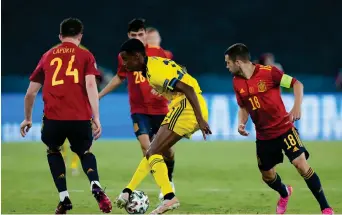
(262, 86)
(251, 89)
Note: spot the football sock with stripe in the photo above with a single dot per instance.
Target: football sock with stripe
(170, 164)
(89, 166)
(314, 184)
(62, 195)
(278, 186)
(159, 172)
(141, 172)
(57, 168)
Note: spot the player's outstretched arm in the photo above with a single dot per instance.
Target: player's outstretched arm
(298, 91)
(112, 85)
(93, 96)
(243, 118)
(190, 94)
(30, 96)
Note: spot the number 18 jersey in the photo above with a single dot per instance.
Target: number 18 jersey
(62, 71)
(163, 74)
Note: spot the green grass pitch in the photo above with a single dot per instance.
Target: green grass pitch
(210, 177)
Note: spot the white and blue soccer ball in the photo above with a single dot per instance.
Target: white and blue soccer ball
(138, 203)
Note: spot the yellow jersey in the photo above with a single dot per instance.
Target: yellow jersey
(163, 74)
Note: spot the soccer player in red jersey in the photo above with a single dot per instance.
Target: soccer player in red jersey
(68, 76)
(154, 39)
(257, 90)
(148, 109)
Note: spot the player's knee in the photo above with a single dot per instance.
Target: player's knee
(53, 150)
(301, 164)
(82, 153)
(151, 151)
(144, 140)
(169, 154)
(268, 175)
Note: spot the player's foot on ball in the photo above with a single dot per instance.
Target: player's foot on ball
(161, 196)
(282, 203)
(102, 199)
(64, 206)
(328, 211)
(166, 205)
(122, 200)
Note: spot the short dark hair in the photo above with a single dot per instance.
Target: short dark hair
(136, 24)
(238, 51)
(133, 46)
(71, 27)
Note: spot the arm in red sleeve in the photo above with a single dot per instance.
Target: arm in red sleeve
(282, 79)
(121, 72)
(38, 74)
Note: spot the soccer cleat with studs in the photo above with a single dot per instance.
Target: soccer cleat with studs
(102, 199)
(166, 206)
(64, 206)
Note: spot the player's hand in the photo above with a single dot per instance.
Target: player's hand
(294, 114)
(204, 128)
(242, 130)
(97, 129)
(25, 127)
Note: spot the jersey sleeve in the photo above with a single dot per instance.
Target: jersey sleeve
(91, 68)
(165, 74)
(282, 79)
(121, 72)
(38, 74)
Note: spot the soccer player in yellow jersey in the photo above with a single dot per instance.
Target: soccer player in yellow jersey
(188, 112)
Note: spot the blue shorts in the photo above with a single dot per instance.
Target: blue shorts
(146, 124)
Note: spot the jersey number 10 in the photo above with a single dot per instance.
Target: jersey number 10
(69, 71)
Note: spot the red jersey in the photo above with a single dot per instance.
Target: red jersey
(261, 97)
(140, 97)
(62, 71)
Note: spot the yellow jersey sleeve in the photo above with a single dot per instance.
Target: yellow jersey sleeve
(164, 74)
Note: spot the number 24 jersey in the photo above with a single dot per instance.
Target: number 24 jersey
(62, 71)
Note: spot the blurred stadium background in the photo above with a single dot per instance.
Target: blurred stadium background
(218, 176)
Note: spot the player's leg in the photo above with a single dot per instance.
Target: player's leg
(80, 138)
(153, 162)
(169, 155)
(298, 155)
(141, 125)
(53, 135)
(269, 154)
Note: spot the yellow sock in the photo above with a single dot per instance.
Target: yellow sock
(159, 171)
(74, 161)
(141, 172)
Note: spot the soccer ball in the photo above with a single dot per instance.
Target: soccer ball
(138, 203)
